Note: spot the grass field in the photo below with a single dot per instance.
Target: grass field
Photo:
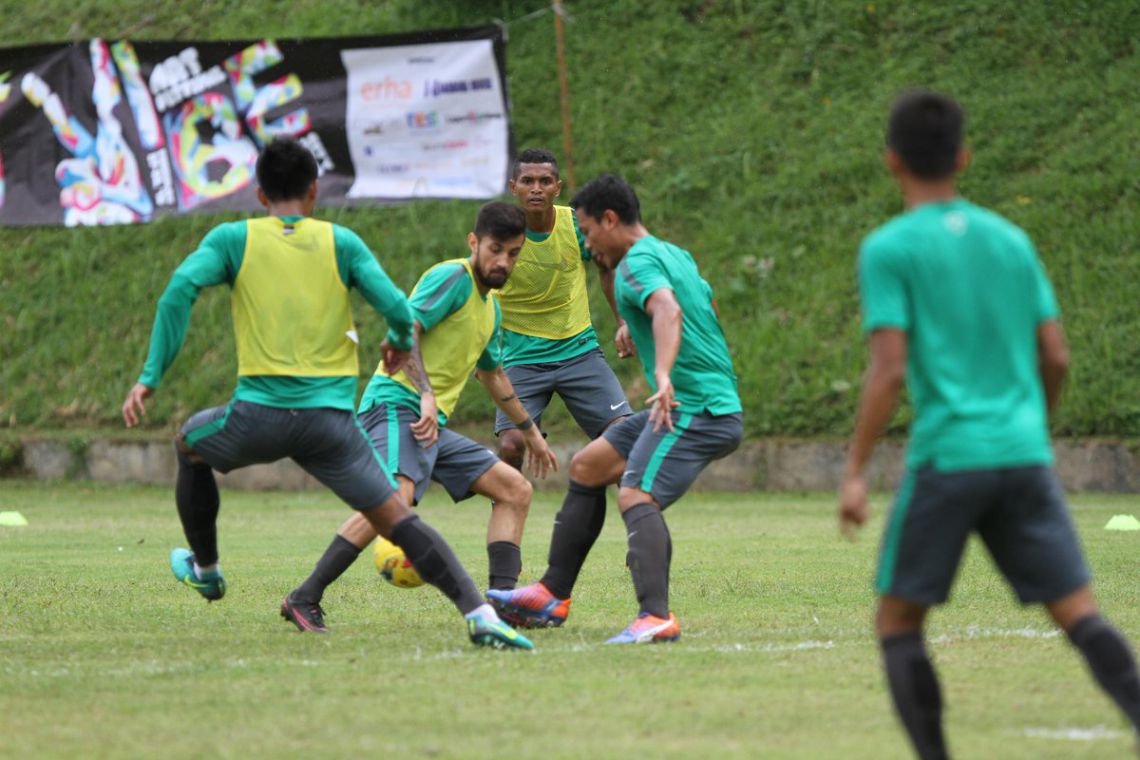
(103, 655)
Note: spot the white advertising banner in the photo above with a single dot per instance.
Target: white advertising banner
(426, 121)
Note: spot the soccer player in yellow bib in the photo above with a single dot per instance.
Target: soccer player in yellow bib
(290, 275)
(549, 343)
(457, 322)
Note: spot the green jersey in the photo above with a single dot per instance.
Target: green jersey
(461, 331)
(703, 378)
(967, 288)
(218, 260)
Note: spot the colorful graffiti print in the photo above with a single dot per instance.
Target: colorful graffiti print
(101, 183)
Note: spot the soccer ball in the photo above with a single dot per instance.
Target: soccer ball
(394, 567)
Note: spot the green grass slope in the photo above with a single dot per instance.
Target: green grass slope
(752, 132)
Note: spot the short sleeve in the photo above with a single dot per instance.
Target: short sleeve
(492, 356)
(882, 288)
(643, 275)
(1044, 300)
(440, 293)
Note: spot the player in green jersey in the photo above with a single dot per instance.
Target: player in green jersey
(290, 276)
(958, 308)
(695, 416)
(458, 329)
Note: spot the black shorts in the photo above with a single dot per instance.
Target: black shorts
(1018, 512)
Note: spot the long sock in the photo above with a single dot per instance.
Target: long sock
(576, 527)
(1111, 661)
(648, 557)
(436, 563)
(916, 693)
(504, 561)
(196, 494)
(338, 557)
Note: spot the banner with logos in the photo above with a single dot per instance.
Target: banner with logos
(120, 132)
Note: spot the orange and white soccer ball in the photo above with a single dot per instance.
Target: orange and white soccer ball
(393, 565)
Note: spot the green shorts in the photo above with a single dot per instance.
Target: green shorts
(1018, 512)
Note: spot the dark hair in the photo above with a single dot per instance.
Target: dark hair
(534, 156)
(285, 170)
(500, 220)
(925, 129)
(608, 191)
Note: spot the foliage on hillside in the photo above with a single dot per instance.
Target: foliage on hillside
(752, 131)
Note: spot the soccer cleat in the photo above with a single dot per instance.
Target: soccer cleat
(486, 630)
(531, 606)
(307, 616)
(649, 629)
(182, 565)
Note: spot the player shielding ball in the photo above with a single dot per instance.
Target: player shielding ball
(290, 276)
(457, 322)
(957, 305)
(695, 417)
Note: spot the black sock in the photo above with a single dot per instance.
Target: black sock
(196, 494)
(436, 563)
(648, 557)
(576, 526)
(916, 693)
(338, 557)
(1111, 661)
(504, 561)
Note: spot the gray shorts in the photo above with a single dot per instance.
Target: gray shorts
(329, 444)
(454, 461)
(1018, 512)
(587, 385)
(664, 464)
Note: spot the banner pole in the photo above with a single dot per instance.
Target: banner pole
(564, 96)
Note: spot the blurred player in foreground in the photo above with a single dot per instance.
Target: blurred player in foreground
(959, 309)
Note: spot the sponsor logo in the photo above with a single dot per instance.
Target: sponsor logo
(445, 145)
(473, 117)
(436, 88)
(386, 89)
(422, 119)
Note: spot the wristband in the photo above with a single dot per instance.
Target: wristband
(526, 424)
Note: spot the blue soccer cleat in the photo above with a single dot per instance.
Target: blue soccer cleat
(212, 587)
(486, 630)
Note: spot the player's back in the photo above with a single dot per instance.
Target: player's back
(967, 287)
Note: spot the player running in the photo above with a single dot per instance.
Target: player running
(958, 307)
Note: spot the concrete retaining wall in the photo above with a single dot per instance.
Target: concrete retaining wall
(768, 465)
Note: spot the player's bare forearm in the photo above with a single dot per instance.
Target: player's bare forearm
(606, 278)
(665, 313)
(502, 392)
(1053, 361)
(882, 387)
(414, 369)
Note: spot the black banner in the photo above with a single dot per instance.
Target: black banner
(119, 132)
